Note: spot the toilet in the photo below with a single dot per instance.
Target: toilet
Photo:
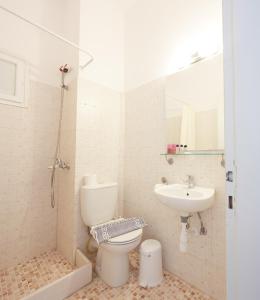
(98, 206)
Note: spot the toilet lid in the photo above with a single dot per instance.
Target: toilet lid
(126, 237)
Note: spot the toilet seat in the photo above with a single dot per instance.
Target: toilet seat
(126, 238)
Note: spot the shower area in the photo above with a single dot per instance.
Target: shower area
(39, 70)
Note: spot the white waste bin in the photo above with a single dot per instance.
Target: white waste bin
(150, 273)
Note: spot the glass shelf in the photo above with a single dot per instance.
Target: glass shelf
(170, 161)
(196, 152)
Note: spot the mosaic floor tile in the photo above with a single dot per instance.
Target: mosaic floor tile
(172, 288)
(25, 278)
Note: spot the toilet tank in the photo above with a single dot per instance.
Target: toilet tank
(98, 203)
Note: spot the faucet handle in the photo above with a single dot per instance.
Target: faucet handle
(188, 178)
(190, 181)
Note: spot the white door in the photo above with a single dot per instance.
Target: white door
(242, 144)
(229, 143)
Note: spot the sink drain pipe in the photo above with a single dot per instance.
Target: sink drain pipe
(203, 230)
(185, 225)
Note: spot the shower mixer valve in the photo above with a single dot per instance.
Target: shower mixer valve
(59, 163)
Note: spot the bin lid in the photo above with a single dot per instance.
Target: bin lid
(150, 245)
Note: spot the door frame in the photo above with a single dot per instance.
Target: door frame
(229, 96)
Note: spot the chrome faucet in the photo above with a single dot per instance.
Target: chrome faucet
(190, 181)
(59, 163)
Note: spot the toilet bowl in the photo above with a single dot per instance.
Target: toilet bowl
(98, 205)
(112, 259)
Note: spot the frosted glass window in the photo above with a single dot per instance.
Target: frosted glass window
(7, 77)
(12, 80)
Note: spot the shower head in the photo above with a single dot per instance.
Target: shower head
(65, 68)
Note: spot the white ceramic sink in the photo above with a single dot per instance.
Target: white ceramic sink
(184, 199)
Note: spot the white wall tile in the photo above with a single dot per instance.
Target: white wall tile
(27, 222)
(99, 139)
(204, 262)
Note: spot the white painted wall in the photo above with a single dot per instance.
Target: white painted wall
(161, 35)
(135, 42)
(102, 32)
(242, 66)
(43, 53)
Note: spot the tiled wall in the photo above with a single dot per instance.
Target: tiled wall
(98, 141)
(28, 137)
(65, 183)
(204, 263)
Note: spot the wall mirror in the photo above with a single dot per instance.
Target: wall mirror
(194, 106)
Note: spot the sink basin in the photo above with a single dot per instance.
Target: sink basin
(184, 199)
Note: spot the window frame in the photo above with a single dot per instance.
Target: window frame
(19, 99)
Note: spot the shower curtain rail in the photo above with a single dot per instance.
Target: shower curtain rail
(51, 33)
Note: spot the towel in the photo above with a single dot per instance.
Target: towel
(104, 232)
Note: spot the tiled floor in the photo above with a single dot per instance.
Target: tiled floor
(172, 288)
(25, 278)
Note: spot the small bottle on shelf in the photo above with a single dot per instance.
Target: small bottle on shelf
(171, 149)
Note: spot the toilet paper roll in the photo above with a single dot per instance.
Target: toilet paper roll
(90, 180)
